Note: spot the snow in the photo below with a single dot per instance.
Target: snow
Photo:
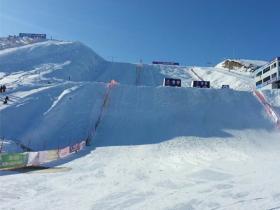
(273, 98)
(182, 173)
(155, 147)
(20, 96)
(16, 41)
(64, 93)
(219, 77)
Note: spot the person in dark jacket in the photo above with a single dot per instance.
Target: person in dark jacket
(6, 100)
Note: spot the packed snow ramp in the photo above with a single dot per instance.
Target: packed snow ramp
(145, 115)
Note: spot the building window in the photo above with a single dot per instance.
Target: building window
(274, 75)
(266, 79)
(259, 74)
(258, 83)
(266, 70)
(273, 66)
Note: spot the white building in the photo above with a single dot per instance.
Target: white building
(268, 76)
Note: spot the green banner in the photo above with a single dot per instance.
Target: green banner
(13, 160)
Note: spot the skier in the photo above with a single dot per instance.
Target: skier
(4, 88)
(6, 100)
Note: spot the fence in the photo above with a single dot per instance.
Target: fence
(31, 158)
(268, 108)
(95, 124)
(19, 160)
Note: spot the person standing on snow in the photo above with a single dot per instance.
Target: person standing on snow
(6, 100)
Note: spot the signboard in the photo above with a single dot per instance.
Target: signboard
(166, 63)
(30, 35)
(201, 84)
(13, 160)
(172, 82)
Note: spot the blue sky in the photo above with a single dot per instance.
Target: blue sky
(192, 32)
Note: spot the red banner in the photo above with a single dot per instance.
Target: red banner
(64, 152)
(268, 108)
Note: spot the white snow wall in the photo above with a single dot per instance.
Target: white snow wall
(133, 115)
(146, 115)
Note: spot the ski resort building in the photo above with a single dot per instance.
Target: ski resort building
(268, 76)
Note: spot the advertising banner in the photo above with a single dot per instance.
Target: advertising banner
(64, 152)
(172, 82)
(201, 84)
(75, 148)
(33, 159)
(269, 110)
(41, 36)
(52, 155)
(43, 156)
(18, 160)
(225, 86)
(13, 160)
(166, 63)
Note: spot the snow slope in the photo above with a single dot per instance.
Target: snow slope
(182, 173)
(58, 60)
(148, 115)
(16, 41)
(155, 147)
(219, 77)
(70, 60)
